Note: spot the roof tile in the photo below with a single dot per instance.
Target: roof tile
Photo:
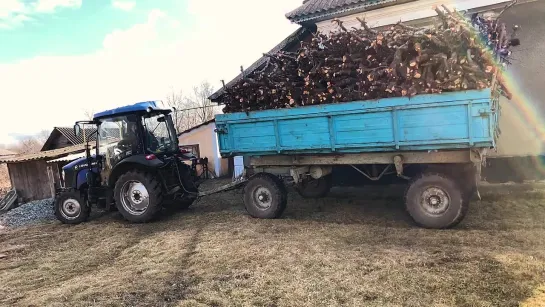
(313, 9)
(77, 139)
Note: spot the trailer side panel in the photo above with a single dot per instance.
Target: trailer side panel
(425, 122)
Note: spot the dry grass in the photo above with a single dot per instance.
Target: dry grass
(355, 248)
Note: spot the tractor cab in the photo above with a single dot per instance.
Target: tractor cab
(135, 166)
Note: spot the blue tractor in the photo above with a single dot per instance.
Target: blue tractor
(136, 167)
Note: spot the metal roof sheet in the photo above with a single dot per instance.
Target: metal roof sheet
(43, 155)
(68, 158)
(5, 152)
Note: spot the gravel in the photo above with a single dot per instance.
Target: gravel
(28, 214)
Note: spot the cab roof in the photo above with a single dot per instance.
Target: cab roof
(140, 107)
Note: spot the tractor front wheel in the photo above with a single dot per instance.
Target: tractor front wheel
(138, 196)
(71, 208)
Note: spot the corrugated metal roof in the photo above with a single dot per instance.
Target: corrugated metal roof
(315, 9)
(5, 152)
(43, 155)
(70, 157)
(295, 37)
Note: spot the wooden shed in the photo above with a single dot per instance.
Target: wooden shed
(30, 175)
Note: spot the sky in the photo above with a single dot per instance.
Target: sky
(61, 58)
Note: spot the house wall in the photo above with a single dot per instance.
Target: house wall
(59, 142)
(30, 179)
(205, 137)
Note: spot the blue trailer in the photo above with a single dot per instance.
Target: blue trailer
(437, 142)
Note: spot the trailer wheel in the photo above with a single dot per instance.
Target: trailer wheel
(138, 196)
(434, 200)
(71, 208)
(265, 196)
(315, 188)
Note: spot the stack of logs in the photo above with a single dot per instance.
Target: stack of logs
(361, 64)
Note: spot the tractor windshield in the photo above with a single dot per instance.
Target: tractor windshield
(160, 135)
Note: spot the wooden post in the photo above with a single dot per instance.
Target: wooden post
(51, 179)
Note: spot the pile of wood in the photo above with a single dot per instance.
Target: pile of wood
(361, 64)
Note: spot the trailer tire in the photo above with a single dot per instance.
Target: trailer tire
(265, 196)
(436, 201)
(315, 188)
(71, 208)
(146, 197)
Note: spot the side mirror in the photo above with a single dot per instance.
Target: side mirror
(77, 130)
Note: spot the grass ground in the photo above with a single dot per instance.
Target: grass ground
(355, 248)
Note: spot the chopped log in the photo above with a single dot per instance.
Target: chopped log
(366, 27)
(363, 63)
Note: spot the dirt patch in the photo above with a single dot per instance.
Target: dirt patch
(351, 248)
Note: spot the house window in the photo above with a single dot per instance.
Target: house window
(192, 149)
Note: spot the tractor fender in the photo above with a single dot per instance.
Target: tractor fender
(132, 162)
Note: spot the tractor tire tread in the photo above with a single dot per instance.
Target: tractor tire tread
(77, 195)
(154, 190)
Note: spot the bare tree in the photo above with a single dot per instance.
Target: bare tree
(89, 114)
(26, 145)
(194, 109)
(43, 135)
(30, 143)
(176, 100)
(199, 100)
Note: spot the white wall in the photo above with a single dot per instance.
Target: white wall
(206, 138)
(404, 12)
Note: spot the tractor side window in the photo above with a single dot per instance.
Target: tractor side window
(117, 139)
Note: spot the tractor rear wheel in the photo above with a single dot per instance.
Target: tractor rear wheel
(71, 208)
(138, 196)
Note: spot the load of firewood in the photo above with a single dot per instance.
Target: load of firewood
(361, 64)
